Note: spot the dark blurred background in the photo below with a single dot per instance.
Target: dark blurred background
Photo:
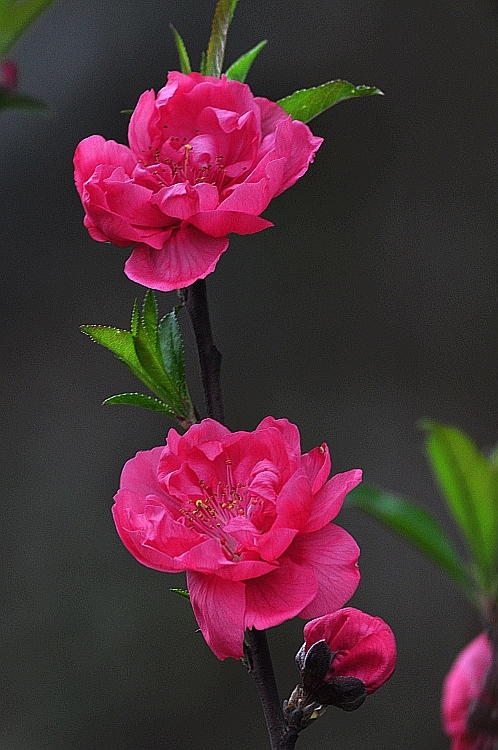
(370, 304)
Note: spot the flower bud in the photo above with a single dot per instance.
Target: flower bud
(8, 75)
(346, 656)
(470, 700)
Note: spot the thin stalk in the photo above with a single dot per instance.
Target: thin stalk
(195, 300)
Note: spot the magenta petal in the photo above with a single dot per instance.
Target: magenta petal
(316, 465)
(94, 151)
(219, 223)
(328, 501)
(188, 255)
(149, 533)
(280, 595)
(219, 608)
(332, 554)
(140, 473)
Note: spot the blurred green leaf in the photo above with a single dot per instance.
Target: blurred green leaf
(182, 51)
(240, 68)
(16, 17)
(181, 592)
(415, 524)
(469, 485)
(11, 99)
(217, 41)
(140, 399)
(308, 103)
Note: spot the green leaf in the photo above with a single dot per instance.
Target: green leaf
(151, 362)
(171, 346)
(308, 103)
(149, 316)
(240, 68)
(469, 485)
(415, 524)
(181, 592)
(135, 317)
(217, 41)
(182, 51)
(202, 66)
(121, 343)
(16, 17)
(140, 399)
(126, 111)
(21, 101)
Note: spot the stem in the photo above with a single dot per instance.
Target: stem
(261, 668)
(195, 300)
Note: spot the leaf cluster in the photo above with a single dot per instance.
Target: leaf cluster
(153, 351)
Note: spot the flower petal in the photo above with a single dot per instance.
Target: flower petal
(332, 554)
(280, 595)
(187, 255)
(219, 607)
(328, 501)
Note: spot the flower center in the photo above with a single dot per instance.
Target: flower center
(218, 505)
(183, 167)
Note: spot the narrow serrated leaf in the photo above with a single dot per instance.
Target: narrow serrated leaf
(202, 66)
(181, 592)
(469, 486)
(217, 41)
(182, 51)
(172, 351)
(415, 524)
(135, 317)
(240, 68)
(140, 399)
(149, 316)
(150, 360)
(122, 344)
(306, 104)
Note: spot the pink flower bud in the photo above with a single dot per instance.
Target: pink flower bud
(8, 75)
(464, 690)
(362, 647)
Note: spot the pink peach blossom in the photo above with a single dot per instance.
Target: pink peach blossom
(248, 517)
(205, 159)
(362, 646)
(462, 687)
